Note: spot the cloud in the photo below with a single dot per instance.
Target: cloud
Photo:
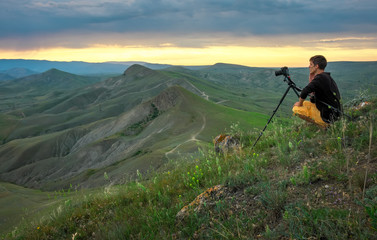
(64, 22)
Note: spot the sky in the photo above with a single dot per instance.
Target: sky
(259, 33)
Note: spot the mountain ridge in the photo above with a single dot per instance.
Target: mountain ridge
(66, 155)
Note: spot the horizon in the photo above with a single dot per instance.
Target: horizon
(140, 62)
(250, 33)
(264, 57)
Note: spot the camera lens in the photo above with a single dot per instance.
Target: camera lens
(278, 72)
(283, 71)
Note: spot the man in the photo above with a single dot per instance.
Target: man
(324, 92)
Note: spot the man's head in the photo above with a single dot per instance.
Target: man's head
(320, 61)
(317, 65)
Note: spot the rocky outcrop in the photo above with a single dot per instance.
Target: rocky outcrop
(226, 144)
(220, 199)
(209, 196)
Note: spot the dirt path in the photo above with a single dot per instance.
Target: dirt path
(222, 101)
(204, 95)
(193, 137)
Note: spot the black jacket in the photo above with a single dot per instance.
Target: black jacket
(326, 95)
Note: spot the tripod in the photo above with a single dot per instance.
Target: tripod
(291, 85)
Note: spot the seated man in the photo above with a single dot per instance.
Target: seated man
(324, 92)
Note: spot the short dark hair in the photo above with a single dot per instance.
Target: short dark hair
(320, 60)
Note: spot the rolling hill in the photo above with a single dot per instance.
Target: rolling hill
(141, 139)
(135, 121)
(25, 92)
(15, 73)
(59, 130)
(246, 88)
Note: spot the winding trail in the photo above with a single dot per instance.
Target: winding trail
(204, 95)
(222, 101)
(193, 137)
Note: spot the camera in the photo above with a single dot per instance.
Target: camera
(283, 71)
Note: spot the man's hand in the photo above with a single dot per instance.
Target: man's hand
(300, 103)
(297, 104)
(311, 76)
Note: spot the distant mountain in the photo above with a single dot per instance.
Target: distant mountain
(52, 79)
(14, 73)
(24, 92)
(154, 66)
(83, 68)
(75, 67)
(5, 76)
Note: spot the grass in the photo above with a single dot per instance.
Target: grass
(23, 203)
(299, 182)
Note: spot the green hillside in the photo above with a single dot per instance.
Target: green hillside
(175, 121)
(298, 183)
(58, 110)
(29, 91)
(258, 89)
(246, 88)
(20, 203)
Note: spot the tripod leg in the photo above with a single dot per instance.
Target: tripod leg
(269, 120)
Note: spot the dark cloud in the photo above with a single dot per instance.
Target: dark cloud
(28, 18)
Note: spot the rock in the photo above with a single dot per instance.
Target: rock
(207, 196)
(361, 106)
(225, 144)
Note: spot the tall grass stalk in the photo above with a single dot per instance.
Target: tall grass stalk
(344, 126)
(369, 154)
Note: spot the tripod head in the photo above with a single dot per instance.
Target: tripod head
(285, 72)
